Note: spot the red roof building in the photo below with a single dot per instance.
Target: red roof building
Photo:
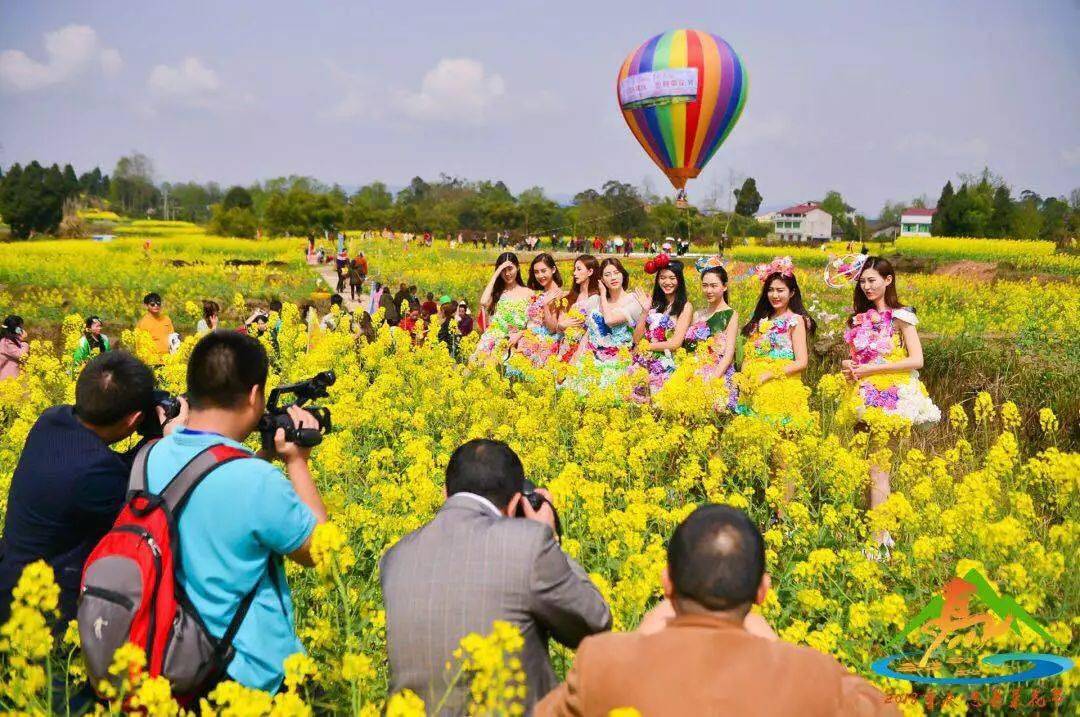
(916, 221)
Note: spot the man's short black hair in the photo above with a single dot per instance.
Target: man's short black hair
(487, 468)
(111, 387)
(716, 557)
(275, 305)
(336, 300)
(223, 367)
(152, 296)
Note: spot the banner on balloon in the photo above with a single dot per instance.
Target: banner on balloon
(648, 89)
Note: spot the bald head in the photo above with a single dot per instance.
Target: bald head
(716, 557)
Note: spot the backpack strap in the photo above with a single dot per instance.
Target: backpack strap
(223, 650)
(137, 477)
(178, 490)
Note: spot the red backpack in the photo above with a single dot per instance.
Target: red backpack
(130, 592)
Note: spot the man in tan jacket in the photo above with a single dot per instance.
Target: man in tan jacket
(701, 651)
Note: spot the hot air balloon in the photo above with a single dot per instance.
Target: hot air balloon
(681, 93)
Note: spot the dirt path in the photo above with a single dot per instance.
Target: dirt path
(326, 273)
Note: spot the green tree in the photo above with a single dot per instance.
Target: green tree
(300, 211)
(31, 199)
(834, 204)
(1001, 213)
(1026, 220)
(747, 198)
(626, 211)
(891, 212)
(940, 224)
(71, 182)
(94, 184)
(1055, 213)
(237, 198)
(132, 187)
(233, 221)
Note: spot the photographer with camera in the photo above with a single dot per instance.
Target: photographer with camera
(475, 563)
(244, 515)
(69, 486)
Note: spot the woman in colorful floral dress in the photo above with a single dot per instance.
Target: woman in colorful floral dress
(506, 299)
(609, 326)
(538, 343)
(582, 299)
(770, 383)
(713, 333)
(663, 329)
(886, 355)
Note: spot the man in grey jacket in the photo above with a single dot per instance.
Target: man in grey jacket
(474, 564)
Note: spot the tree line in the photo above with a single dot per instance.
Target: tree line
(32, 200)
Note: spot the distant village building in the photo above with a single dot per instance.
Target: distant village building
(805, 222)
(885, 231)
(766, 218)
(915, 222)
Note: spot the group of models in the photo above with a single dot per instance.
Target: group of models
(599, 323)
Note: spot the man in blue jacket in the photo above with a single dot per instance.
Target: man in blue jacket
(69, 486)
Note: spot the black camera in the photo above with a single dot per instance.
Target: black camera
(151, 426)
(537, 500)
(277, 416)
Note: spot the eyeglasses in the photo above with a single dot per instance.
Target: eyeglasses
(153, 303)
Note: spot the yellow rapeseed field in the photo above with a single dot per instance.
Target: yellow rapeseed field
(981, 491)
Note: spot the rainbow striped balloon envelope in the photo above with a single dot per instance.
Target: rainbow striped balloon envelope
(681, 93)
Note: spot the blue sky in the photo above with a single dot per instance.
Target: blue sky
(878, 100)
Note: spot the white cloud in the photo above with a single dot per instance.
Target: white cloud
(456, 89)
(1071, 156)
(72, 51)
(189, 84)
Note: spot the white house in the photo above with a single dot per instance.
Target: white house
(915, 222)
(766, 218)
(803, 222)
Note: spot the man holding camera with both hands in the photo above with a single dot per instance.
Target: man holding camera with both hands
(473, 564)
(237, 524)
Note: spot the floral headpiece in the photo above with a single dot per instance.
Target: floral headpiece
(843, 270)
(654, 265)
(780, 265)
(709, 262)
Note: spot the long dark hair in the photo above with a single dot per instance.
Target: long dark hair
(885, 268)
(612, 261)
(592, 285)
(7, 329)
(549, 260)
(721, 273)
(659, 298)
(763, 310)
(500, 285)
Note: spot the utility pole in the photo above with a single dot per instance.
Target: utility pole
(165, 201)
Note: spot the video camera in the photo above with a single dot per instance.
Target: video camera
(537, 500)
(278, 417)
(151, 425)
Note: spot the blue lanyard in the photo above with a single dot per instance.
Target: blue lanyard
(193, 432)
